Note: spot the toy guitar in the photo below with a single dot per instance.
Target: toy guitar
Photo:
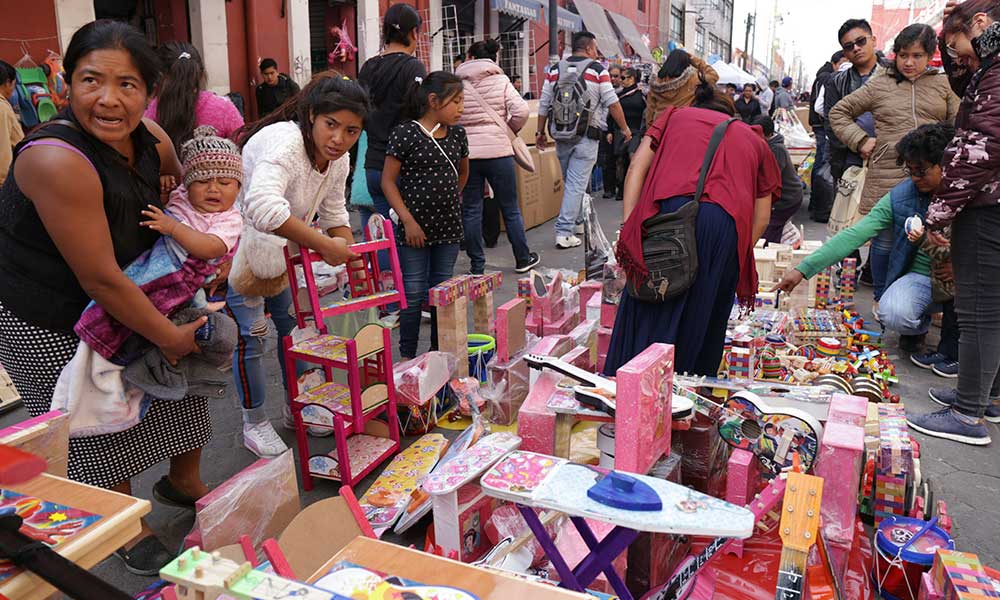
(774, 436)
(799, 524)
(596, 391)
(683, 579)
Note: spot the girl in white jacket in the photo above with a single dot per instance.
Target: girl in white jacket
(293, 158)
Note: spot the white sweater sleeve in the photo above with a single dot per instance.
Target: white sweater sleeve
(333, 209)
(265, 205)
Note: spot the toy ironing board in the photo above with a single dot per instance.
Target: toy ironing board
(538, 481)
(467, 466)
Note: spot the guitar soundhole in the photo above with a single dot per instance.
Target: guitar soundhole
(750, 430)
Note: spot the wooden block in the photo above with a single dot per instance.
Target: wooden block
(46, 436)
(453, 333)
(481, 286)
(642, 415)
(450, 291)
(510, 329)
(960, 576)
(482, 313)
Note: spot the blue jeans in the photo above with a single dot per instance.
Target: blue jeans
(381, 206)
(248, 368)
(423, 268)
(499, 173)
(577, 160)
(906, 305)
(822, 147)
(365, 213)
(879, 259)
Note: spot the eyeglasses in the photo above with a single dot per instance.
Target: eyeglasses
(919, 173)
(861, 42)
(952, 51)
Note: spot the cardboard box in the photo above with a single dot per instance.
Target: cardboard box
(539, 194)
(527, 132)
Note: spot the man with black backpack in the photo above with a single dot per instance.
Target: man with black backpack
(577, 98)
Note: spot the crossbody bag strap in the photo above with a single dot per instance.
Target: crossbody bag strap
(317, 200)
(491, 112)
(430, 134)
(713, 146)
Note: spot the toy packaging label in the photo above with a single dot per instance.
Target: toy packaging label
(47, 522)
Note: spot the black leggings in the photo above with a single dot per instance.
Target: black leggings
(975, 255)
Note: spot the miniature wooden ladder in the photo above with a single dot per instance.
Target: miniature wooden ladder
(367, 359)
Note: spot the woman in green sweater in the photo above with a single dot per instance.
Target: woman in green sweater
(912, 286)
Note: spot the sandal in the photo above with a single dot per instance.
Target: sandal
(165, 493)
(145, 558)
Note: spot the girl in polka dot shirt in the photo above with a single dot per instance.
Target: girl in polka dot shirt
(426, 167)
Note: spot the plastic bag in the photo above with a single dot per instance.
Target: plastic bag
(787, 123)
(419, 379)
(597, 248)
(507, 385)
(259, 501)
(465, 391)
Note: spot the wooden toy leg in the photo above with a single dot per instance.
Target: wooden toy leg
(482, 313)
(453, 333)
(741, 479)
(563, 435)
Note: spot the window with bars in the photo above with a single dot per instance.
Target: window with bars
(677, 24)
(699, 40)
(713, 44)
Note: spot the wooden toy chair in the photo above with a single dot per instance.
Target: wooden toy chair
(366, 358)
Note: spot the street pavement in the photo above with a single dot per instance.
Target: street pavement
(966, 477)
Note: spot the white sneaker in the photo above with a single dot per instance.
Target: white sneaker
(567, 241)
(579, 228)
(263, 440)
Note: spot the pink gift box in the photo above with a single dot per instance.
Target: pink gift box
(642, 415)
(562, 326)
(536, 424)
(848, 409)
(553, 345)
(608, 313)
(927, 589)
(593, 312)
(839, 463)
(742, 478)
(588, 290)
(603, 340)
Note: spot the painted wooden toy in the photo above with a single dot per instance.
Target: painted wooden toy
(387, 498)
(461, 509)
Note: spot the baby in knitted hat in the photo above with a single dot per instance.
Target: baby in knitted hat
(200, 215)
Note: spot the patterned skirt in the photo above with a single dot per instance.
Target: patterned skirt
(34, 357)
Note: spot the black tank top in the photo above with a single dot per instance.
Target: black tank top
(36, 283)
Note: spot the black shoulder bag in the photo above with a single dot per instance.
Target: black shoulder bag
(668, 241)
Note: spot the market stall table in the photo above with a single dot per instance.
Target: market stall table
(429, 569)
(118, 524)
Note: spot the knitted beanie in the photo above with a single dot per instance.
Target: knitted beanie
(207, 155)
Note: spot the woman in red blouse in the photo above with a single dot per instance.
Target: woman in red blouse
(734, 211)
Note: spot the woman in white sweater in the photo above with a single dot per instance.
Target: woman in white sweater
(293, 159)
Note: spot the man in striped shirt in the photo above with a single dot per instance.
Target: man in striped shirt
(577, 157)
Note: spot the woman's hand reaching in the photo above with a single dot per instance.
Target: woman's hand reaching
(789, 282)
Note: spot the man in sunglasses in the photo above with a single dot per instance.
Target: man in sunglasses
(858, 43)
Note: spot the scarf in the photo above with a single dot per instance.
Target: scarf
(629, 248)
(988, 44)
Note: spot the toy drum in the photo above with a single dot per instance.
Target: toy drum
(897, 571)
(828, 346)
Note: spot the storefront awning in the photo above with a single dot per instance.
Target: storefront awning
(596, 22)
(530, 10)
(568, 21)
(631, 35)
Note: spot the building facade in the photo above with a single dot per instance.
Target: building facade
(306, 36)
(708, 28)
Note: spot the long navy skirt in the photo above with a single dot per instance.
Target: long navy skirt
(694, 322)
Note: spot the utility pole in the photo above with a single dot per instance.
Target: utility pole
(751, 21)
(553, 33)
(753, 43)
